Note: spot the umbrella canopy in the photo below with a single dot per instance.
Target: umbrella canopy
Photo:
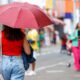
(23, 15)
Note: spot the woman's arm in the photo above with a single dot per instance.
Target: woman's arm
(26, 47)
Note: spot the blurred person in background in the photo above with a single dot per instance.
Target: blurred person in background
(63, 44)
(33, 38)
(75, 38)
(69, 47)
(13, 40)
(54, 37)
(41, 37)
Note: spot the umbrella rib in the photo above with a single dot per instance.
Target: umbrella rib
(17, 16)
(35, 19)
(33, 16)
(40, 12)
(30, 12)
(9, 8)
(5, 10)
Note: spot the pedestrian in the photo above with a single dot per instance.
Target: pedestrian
(13, 40)
(33, 37)
(69, 45)
(63, 44)
(41, 38)
(75, 38)
(31, 60)
(54, 37)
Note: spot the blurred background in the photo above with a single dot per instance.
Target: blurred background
(67, 11)
(51, 64)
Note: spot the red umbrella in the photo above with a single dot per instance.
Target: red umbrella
(23, 15)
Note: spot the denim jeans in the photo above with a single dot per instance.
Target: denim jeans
(12, 68)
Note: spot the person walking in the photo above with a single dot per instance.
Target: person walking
(13, 40)
(54, 37)
(75, 38)
(33, 37)
(63, 44)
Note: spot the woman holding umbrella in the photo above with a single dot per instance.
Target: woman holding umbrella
(12, 42)
(18, 15)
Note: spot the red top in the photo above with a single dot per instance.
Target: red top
(11, 48)
(64, 42)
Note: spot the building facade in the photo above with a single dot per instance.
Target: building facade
(2, 2)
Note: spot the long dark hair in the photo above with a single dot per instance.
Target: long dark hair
(13, 33)
(77, 25)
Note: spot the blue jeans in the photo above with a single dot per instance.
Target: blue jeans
(12, 68)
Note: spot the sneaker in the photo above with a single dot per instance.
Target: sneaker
(69, 65)
(31, 73)
(26, 72)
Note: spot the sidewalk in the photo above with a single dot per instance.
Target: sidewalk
(49, 49)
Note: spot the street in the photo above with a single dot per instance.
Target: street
(52, 26)
(53, 66)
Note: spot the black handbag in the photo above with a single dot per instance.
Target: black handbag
(25, 61)
(27, 58)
